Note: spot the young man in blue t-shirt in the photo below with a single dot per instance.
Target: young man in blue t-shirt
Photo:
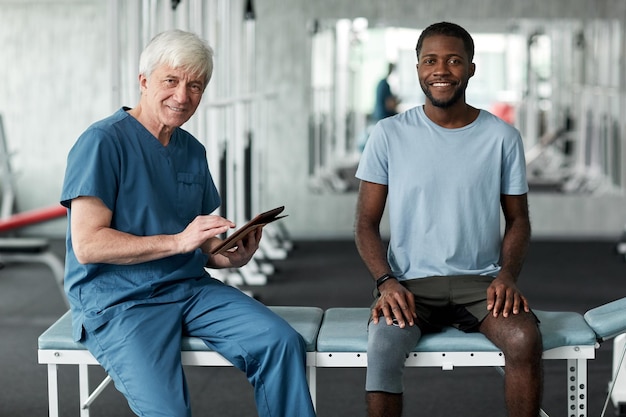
(444, 171)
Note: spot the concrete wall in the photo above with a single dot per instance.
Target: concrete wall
(56, 81)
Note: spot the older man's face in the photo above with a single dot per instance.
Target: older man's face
(172, 95)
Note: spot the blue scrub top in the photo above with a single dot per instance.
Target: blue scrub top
(151, 190)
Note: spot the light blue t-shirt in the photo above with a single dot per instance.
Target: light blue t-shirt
(151, 190)
(444, 188)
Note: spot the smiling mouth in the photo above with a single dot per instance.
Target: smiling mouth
(441, 84)
(177, 109)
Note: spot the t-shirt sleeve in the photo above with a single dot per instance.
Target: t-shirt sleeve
(373, 165)
(514, 180)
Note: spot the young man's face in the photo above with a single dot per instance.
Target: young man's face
(172, 95)
(444, 70)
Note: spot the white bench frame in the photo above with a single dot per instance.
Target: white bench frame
(341, 344)
(576, 357)
(334, 349)
(55, 357)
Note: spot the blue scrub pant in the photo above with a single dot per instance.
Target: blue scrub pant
(140, 350)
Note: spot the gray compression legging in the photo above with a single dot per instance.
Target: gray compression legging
(387, 349)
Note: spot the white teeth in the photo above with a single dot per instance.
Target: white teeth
(440, 84)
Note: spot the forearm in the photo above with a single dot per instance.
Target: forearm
(372, 250)
(95, 241)
(370, 206)
(515, 247)
(111, 246)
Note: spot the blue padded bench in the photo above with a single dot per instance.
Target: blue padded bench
(56, 347)
(342, 342)
(608, 322)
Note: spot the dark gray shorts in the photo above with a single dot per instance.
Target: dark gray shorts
(459, 301)
(455, 300)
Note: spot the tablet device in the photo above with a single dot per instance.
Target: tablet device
(259, 220)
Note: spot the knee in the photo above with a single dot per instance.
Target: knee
(387, 350)
(159, 399)
(391, 344)
(283, 336)
(523, 345)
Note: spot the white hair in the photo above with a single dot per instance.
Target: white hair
(178, 49)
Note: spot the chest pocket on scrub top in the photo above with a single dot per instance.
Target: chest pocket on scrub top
(190, 194)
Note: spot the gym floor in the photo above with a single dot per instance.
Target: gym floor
(558, 275)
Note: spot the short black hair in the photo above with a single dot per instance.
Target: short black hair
(447, 29)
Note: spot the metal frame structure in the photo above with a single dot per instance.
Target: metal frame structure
(56, 347)
(337, 338)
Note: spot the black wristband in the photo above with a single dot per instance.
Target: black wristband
(384, 278)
